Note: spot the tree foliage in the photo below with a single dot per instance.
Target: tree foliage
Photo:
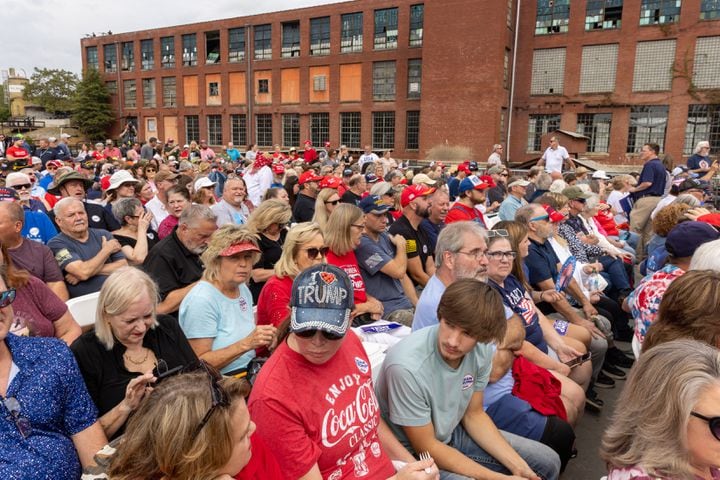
(93, 112)
(52, 89)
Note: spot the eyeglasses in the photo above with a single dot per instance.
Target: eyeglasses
(219, 396)
(21, 423)
(356, 225)
(7, 297)
(500, 232)
(713, 422)
(326, 335)
(503, 174)
(500, 255)
(24, 186)
(334, 202)
(52, 167)
(313, 252)
(477, 253)
(581, 200)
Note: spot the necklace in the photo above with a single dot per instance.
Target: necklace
(134, 362)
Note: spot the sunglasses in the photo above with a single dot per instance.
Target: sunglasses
(542, 217)
(219, 395)
(713, 422)
(7, 297)
(313, 253)
(334, 202)
(500, 232)
(21, 423)
(326, 335)
(24, 186)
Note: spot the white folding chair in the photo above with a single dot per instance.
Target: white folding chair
(83, 309)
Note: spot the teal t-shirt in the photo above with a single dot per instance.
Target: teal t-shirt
(416, 387)
(206, 313)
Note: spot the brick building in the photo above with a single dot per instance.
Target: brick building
(406, 75)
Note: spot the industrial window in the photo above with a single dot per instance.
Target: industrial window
(416, 25)
(383, 133)
(192, 128)
(236, 44)
(412, 137)
(654, 66)
(189, 53)
(110, 58)
(290, 39)
(414, 77)
(647, 125)
(655, 12)
(263, 43)
(91, 57)
(128, 57)
(350, 123)
(130, 93)
(149, 98)
(503, 116)
(212, 47)
(599, 68)
(703, 123)
(263, 129)
(509, 19)
(214, 124)
(548, 72)
(553, 16)
(111, 87)
(291, 129)
(319, 128)
(351, 36)
(169, 86)
(320, 36)
(263, 85)
(706, 69)
(384, 80)
(147, 55)
(319, 83)
(506, 68)
(538, 126)
(167, 50)
(603, 14)
(595, 126)
(709, 10)
(386, 28)
(213, 89)
(238, 129)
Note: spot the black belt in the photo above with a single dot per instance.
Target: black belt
(648, 195)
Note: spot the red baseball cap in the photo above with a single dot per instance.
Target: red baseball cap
(553, 215)
(489, 180)
(412, 192)
(239, 247)
(278, 168)
(309, 176)
(330, 182)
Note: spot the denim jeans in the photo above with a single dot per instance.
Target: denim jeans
(541, 458)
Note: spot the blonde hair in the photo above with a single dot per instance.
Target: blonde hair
(121, 290)
(268, 213)
(337, 231)
(160, 440)
(297, 236)
(226, 236)
(649, 426)
(321, 213)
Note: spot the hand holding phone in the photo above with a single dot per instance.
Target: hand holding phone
(578, 360)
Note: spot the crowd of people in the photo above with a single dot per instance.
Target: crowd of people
(311, 315)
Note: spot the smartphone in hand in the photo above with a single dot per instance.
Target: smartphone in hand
(578, 360)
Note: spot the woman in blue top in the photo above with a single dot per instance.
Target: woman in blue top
(217, 314)
(48, 423)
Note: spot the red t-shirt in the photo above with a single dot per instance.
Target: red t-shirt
(310, 155)
(326, 414)
(272, 304)
(460, 212)
(17, 152)
(349, 263)
(262, 465)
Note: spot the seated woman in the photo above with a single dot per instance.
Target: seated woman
(317, 426)
(665, 425)
(38, 311)
(217, 314)
(48, 425)
(122, 185)
(325, 202)
(178, 199)
(269, 222)
(304, 247)
(204, 189)
(144, 191)
(192, 426)
(342, 234)
(135, 235)
(129, 345)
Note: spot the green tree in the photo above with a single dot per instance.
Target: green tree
(93, 112)
(52, 89)
(4, 108)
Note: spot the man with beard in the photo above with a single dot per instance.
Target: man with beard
(175, 263)
(85, 255)
(37, 225)
(471, 192)
(416, 207)
(232, 209)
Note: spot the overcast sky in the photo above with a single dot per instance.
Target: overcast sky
(47, 33)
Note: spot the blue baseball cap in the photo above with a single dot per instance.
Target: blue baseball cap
(472, 183)
(686, 237)
(322, 298)
(373, 204)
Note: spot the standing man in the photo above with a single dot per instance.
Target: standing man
(310, 155)
(517, 188)
(63, 151)
(304, 208)
(356, 188)
(647, 194)
(233, 152)
(147, 152)
(416, 207)
(554, 159)
(471, 194)
(207, 154)
(164, 181)
(495, 157)
(368, 156)
(230, 208)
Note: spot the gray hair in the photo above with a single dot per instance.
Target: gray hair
(62, 203)
(687, 199)
(121, 290)
(700, 145)
(591, 202)
(661, 391)
(195, 214)
(544, 180)
(706, 257)
(558, 186)
(381, 188)
(125, 207)
(526, 212)
(451, 238)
